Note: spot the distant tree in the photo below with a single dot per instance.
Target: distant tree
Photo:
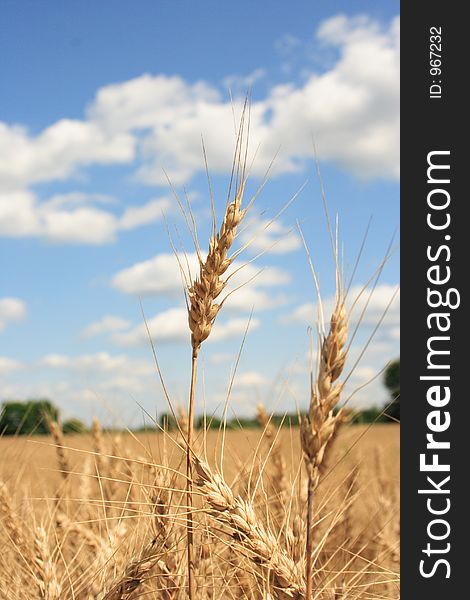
(209, 422)
(392, 383)
(28, 417)
(74, 426)
(369, 415)
(167, 422)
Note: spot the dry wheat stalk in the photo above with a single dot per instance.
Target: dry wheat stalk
(205, 573)
(319, 425)
(388, 534)
(164, 524)
(11, 522)
(294, 538)
(49, 586)
(252, 538)
(86, 534)
(135, 572)
(57, 436)
(279, 480)
(342, 418)
(98, 447)
(203, 309)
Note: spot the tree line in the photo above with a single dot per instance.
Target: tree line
(32, 417)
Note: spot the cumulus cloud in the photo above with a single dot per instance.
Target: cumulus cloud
(96, 363)
(161, 276)
(108, 324)
(272, 237)
(374, 307)
(58, 151)
(136, 216)
(222, 357)
(11, 309)
(171, 325)
(72, 218)
(251, 379)
(352, 109)
(156, 122)
(9, 364)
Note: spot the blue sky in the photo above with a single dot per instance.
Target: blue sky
(98, 100)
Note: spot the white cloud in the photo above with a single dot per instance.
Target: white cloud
(251, 379)
(272, 237)
(161, 276)
(249, 297)
(84, 225)
(9, 364)
(60, 201)
(171, 325)
(374, 307)
(352, 109)
(96, 363)
(58, 151)
(222, 357)
(72, 218)
(157, 121)
(108, 324)
(11, 309)
(287, 44)
(233, 328)
(136, 216)
(18, 215)
(168, 326)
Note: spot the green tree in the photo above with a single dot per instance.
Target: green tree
(168, 422)
(27, 417)
(392, 383)
(74, 426)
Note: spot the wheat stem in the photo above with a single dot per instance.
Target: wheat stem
(189, 478)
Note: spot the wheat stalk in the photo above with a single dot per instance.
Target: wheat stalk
(135, 572)
(57, 436)
(12, 522)
(203, 309)
(319, 425)
(49, 586)
(279, 480)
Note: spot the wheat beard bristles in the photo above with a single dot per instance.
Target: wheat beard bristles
(136, 571)
(253, 539)
(208, 286)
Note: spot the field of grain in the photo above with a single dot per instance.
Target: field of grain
(104, 517)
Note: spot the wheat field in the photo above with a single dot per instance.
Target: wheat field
(106, 517)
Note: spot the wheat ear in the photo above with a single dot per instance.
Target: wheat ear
(12, 523)
(203, 310)
(135, 572)
(319, 425)
(49, 586)
(279, 481)
(56, 433)
(252, 538)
